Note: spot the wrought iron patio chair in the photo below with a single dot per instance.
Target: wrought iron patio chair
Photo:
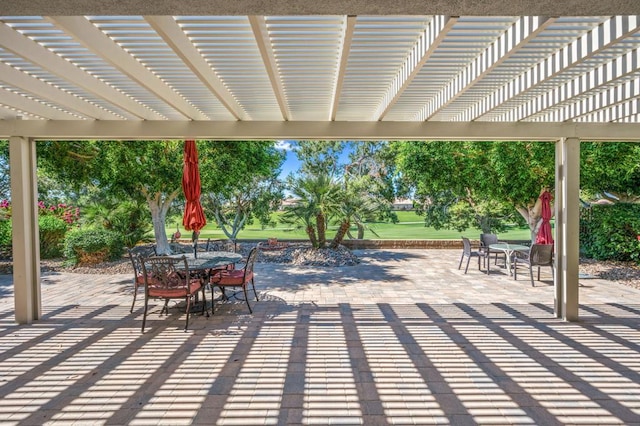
(224, 278)
(138, 274)
(168, 278)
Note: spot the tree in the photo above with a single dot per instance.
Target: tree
(239, 182)
(5, 183)
(318, 197)
(136, 170)
(369, 185)
(475, 173)
(319, 157)
(150, 170)
(611, 170)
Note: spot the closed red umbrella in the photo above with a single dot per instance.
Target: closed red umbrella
(545, 235)
(193, 218)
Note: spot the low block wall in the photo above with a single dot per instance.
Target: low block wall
(402, 244)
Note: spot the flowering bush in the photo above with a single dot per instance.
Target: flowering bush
(67, 213)
(54, 221)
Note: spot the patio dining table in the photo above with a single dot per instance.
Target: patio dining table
(205, 261)
(201, 264)
(508, 249)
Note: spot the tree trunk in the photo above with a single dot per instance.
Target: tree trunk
(159, 209)
(311, 233)
(322, 232)
(342, 231)
(532, 214)
(360, 231)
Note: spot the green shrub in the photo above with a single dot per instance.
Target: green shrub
(611, 232)
(5, 238)
(92, 245)
(128, 218)
(52, 232)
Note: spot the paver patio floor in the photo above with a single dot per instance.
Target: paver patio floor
(402, 338)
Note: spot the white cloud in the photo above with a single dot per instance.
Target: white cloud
(284, 145)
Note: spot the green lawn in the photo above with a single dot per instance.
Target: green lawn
(410, 227)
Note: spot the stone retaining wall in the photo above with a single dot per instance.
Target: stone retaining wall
(403, 244)
(399, 244)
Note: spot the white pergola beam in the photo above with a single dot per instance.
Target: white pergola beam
(510, 42)
(31, 84)
(343, 57)
(572, 55)
(172, 34)
(549, 105)
(426, 44)
(589, 108)
(342, 130)
(39, 109)
(102, 45)
(261, 34)
(30, 50)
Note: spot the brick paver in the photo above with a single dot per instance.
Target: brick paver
(402, 338)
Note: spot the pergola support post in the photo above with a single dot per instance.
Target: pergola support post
(26, 240)
(567, 230)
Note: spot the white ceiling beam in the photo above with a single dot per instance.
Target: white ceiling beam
(575, 53)
(339, 130)
(426, 44)
(102, 45)
(585, 108)
(617, 112)
(172, 34)
(509, 43)
(560, 103)
(594, 81)
(261, 34)
(28, 49)
(343, 57)
(31, 106)
(31, 84)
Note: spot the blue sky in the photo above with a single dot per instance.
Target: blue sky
(291, 164)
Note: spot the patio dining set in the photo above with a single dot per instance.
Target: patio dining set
(186, 275)
(512, 255)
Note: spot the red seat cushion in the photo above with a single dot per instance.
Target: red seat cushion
(233, 277)
(194, 285)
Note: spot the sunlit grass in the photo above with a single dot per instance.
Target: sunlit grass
(410, 227)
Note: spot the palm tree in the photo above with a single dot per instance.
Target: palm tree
(319, 197)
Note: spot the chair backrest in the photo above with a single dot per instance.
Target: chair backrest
(251, 260)
(165, 273)
(136, 262)
(541, 255)
(488, 239)
(466, 246)
(212, 245)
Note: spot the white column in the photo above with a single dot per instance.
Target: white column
(26, 241)
(567, 214)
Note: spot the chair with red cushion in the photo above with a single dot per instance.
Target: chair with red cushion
(138, 274)
(223, 278)
(168, 278)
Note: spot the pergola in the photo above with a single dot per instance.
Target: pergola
(557, 71)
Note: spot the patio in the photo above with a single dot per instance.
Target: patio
(403, 338)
